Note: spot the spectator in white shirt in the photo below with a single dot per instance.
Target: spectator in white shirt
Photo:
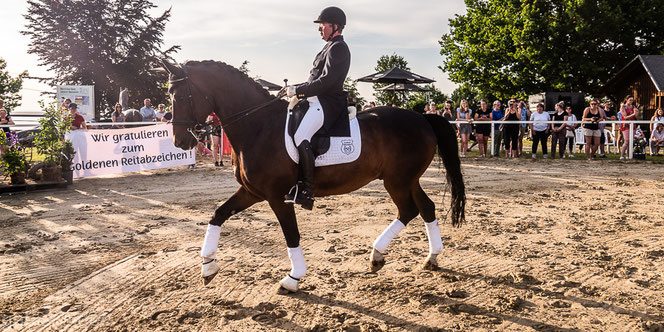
(657, 139)
(540, 130)
(147, 112)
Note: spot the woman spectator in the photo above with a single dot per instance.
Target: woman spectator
(659, 117)
(464, 113)
(159, 114)
(497, 115)
(483, 130)
(117, 116)
(449, 114)
(657, 139)
(523, 127)
(216, 139)
(540, 130)
(558, 131)
(570, 136)
(433, 110)
(628, 112)
(512, 129)
(591, 130)
(5, 119)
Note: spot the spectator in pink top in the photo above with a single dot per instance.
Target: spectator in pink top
(629, 112)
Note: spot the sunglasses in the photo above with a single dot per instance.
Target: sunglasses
(593, 104)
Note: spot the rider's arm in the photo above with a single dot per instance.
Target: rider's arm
(333, 74)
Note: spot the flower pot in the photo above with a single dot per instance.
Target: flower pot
(52, 174)
(68, 175)
(17, 178)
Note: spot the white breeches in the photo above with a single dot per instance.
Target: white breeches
(311, 122)
(209, 249)
(388, 234)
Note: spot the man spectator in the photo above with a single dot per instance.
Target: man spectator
(657, 139)
(77, 122)
(147, 111)
(609, 115)
(523, 128)
(497, 115)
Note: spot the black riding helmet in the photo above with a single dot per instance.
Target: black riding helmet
(332, 15)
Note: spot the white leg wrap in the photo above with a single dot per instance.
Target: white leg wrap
(433, 233)
(209, 249)
(388, 234)
(298, 267)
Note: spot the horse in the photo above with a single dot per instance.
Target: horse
(399, 145)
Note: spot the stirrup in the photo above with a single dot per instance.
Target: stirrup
(295, 196)
(291, 197)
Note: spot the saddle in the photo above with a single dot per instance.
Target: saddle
(320, 142)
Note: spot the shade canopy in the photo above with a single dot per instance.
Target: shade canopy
(395, 75)
(269, 86)
(402, 87)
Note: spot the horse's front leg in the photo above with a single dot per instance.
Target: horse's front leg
(286, 215)
(241, 200)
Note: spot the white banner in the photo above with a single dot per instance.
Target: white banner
(111, 151)
(82, 95)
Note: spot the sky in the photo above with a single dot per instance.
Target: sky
(279, 39)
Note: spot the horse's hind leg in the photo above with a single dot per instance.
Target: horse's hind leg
(428, 212)
(402, 197)
(241, 200)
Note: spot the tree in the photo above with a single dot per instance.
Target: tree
(106, 43)
(10, 86)
(354, 96)
(465, 92)
(417, 101)
(386, 62)
(516, 48)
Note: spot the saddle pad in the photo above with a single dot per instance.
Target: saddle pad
(342, 149)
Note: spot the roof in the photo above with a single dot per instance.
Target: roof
(653, 65)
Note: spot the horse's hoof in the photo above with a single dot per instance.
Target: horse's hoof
(288, 284)
(431, 263)
(377, 265)
(209, 271)
(283, 291)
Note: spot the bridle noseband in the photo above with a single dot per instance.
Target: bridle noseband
(196, 128)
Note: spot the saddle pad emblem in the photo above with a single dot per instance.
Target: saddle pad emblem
(347, 146)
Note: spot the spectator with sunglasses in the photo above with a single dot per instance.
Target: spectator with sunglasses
(591, 130)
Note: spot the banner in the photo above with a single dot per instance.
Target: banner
(82, 95)
(111, 151)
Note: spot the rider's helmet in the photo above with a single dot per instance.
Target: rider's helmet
(333, 15)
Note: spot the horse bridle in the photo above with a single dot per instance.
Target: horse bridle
(196, 128)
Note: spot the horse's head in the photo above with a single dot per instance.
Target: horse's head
(190, 107)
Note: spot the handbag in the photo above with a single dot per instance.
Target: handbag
(570, 133)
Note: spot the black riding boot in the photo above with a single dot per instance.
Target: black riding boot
(303, 192)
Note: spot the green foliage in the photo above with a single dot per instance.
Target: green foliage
(468, 93)
(354, 96)
(244, 67)
(417, 101)
(106, 43)
(68, 153)
(516, 48)
(388, 98)
(13, 159)
(53, 126)
(10, 86)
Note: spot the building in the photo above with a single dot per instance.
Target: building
(550, 99)
(643, 78)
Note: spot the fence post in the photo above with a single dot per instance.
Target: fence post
(492, 139)
(631, 140)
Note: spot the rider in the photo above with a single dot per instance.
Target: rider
(323, 89)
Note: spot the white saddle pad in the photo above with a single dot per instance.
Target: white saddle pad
(342, 149)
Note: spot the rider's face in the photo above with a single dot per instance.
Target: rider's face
(325, 30)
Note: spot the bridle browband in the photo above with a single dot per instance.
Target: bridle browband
(196, 128)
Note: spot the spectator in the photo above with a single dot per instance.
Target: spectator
(657, 139)
(64, 107)
(433, 110)
(216, 139)
(118, 116)
(5, 119)
(512, 129)
(591, 130)
(365, 107)
(609, 115)
(659, 117)
(464, 113)
(426, 109)
(159, 114)
(372, 104)
(77, 122)
(628, 112)
(639, 141)
(169, 115)
(558, 131)
(449, 114)
(483, 131)
(540, 130)
(2, 106)
(497, 115)
(525, 114)
(147, 112)
(571, 131)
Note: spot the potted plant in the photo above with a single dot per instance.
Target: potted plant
(13, 159)
(54, 124)
(68, 154)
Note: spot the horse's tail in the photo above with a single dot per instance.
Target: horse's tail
(448, 151)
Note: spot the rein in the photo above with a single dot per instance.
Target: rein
(199, 128)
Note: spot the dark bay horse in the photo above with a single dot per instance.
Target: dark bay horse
(398, 146)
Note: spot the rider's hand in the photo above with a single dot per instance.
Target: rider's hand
(290, 91)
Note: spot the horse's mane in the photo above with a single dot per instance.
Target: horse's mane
(236, 73)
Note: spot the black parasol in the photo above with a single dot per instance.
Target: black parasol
(269, 86)
(402, 87)
(395, 75)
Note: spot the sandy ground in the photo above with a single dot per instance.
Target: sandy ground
(550, 245)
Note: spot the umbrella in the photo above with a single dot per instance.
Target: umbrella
(269, 86)
(395, 75)
(402, 87)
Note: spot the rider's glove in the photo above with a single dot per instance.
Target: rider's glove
(290, 91)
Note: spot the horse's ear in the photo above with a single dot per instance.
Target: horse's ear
(170, 68)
